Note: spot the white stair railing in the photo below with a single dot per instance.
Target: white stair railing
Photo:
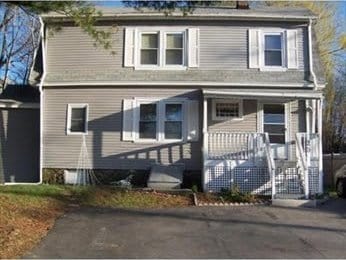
(303, 153)
(270, 162)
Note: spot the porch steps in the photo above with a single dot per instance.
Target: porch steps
(163, 177)
(289, 196)
(294, 203)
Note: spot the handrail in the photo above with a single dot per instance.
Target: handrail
(301, 154)
(303, 162)
(271, 162)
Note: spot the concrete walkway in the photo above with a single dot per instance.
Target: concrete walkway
(208, 232)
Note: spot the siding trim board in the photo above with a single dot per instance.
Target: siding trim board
(175, 83)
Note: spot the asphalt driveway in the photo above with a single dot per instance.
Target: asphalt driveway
(199, 232)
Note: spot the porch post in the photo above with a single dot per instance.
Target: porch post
(205, 143)
(320, 150)
(313, 116)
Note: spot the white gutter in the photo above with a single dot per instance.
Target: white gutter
(194, 16)
(310, 57)
(263, 94)
(173, 83)
(41, 95)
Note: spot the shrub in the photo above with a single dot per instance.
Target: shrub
(235, 195)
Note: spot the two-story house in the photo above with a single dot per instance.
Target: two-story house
(234, 95)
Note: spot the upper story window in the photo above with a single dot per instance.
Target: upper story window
(149, 49)
(273, 49)
(161, 48)
(174, 52)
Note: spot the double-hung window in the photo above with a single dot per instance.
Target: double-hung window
(273, 50)
(173, 125)
(148, 121)
(160, 120)
(77, 119)
(161, 48)
(174, 52)
(149, 49)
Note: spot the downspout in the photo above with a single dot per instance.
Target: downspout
(318, 113)
(314, 78)
(43, 46)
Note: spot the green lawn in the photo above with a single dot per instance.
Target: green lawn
(29, 211)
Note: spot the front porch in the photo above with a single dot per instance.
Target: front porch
(281, 157)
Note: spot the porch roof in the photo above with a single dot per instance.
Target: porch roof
(262, 93)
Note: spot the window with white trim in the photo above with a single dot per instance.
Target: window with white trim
(147, 121)
(161, 120)
(173, 125)
(161, 48)
(225, 109)
(174, 52)
(149, 48)
(273, 50)
(77, 119)
(274, 122)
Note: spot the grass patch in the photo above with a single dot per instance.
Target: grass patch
(29, 211)
(109, 197)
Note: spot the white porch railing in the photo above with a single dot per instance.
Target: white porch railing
(307, 150)
(233, 146)
(270, 162)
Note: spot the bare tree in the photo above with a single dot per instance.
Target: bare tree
(19, 34)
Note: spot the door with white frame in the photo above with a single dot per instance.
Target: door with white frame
(274, 121)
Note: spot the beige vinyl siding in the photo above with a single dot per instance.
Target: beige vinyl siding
(223, 45)
(248, 124)
(105, 148)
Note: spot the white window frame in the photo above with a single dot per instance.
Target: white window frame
(69, 117)
(161, 59)
(149, 66)
(164, 48)
(261, 41)
(161, 118)
(227, 101)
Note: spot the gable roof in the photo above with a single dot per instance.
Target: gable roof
(207, 13)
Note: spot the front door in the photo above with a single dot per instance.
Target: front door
(275, 124)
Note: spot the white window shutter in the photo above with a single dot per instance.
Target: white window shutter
(292, 49)
(129, 47)
(254, 48)
(128, 118)
(192, 120)
(193, 47)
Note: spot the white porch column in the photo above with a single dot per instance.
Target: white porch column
(205, 142)
(313, 115)
(319, 131)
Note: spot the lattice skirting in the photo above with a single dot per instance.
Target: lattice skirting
(288, 181)
(314, 180)
(254, 180)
